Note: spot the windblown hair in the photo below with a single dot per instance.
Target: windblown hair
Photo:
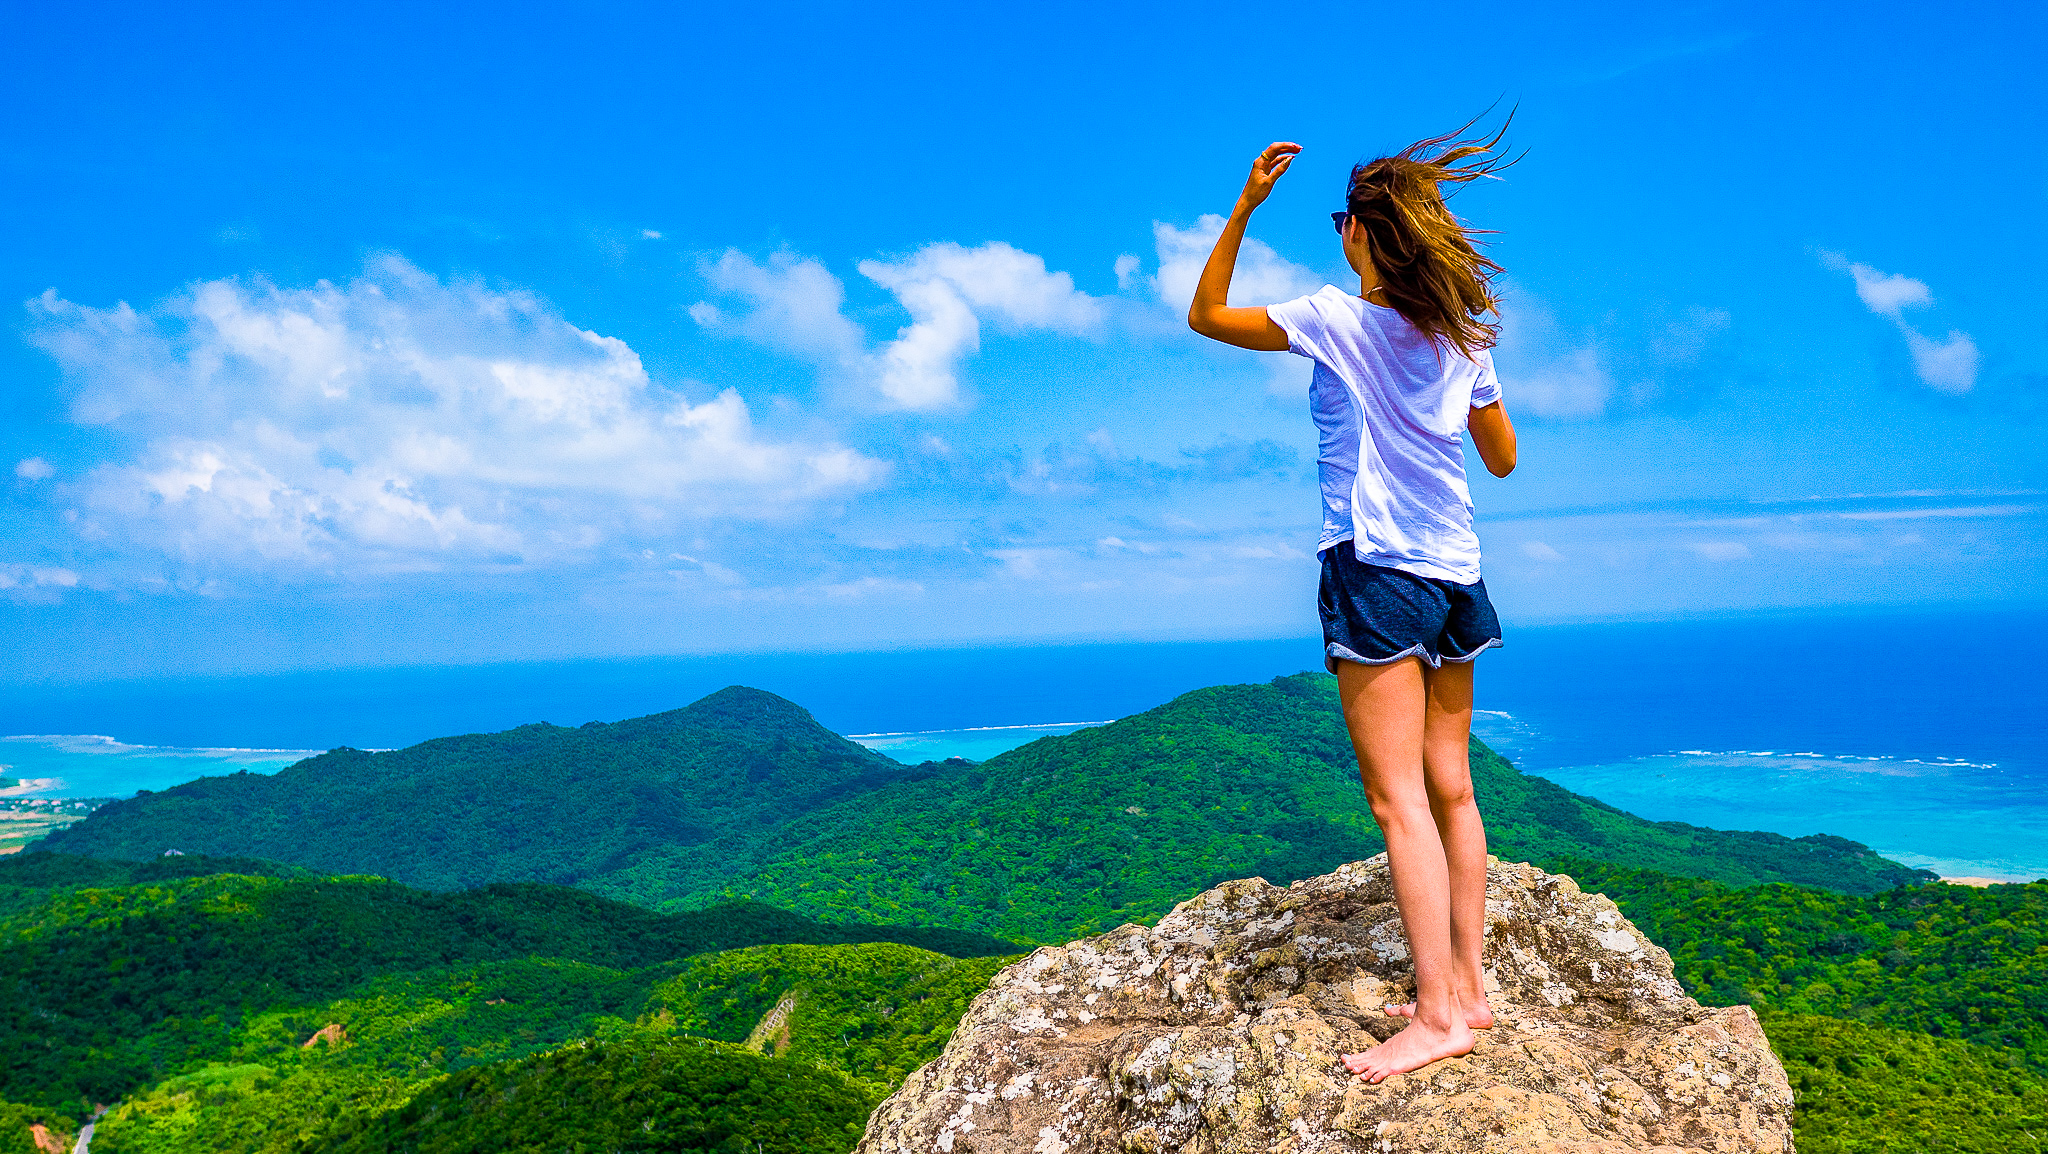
(1428, 261)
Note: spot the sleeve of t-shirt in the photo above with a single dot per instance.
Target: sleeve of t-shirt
(1304, 325)
(1485, 390)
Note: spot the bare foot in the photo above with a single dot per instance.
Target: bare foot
(1478, 1015)
(1411, 1049)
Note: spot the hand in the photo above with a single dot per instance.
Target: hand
(1266, 172)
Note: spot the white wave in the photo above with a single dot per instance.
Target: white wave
(976, 729)
(97, 743)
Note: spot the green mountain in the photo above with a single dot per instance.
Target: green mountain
(744, 795)
(1081, 833)
(538, 803)
(103, 990)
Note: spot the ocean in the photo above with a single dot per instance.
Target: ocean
(1918, 733)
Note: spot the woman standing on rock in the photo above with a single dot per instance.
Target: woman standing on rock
(1402, 372)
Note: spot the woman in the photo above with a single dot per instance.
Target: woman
(1402, 372)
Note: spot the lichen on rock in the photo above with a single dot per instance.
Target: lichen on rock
(1219, 1031)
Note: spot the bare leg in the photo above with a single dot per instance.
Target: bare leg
(1385, 708)
(1447, 770)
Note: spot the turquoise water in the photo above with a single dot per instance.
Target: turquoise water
(1957, 817)
(92, 766)
(972, 744)
(1837, 724)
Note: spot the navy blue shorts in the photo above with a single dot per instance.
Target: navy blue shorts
(1377, 616)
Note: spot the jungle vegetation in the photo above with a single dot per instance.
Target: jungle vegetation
(733, 857)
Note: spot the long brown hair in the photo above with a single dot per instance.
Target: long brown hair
(1428, 261)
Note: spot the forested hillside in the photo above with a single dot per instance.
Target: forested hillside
(744, 795)
(538, 803)
(1083, 832)
(245, 1014)
(242, 1012)
(102, 990)
(1949, 961)
(855, 1021)
(1868, 1089)
(639, 1095)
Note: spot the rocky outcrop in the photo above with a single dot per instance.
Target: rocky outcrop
(1219, 1031)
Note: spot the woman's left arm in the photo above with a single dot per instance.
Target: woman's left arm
(1210, 313)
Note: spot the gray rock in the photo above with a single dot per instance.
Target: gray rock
(1219, 1030)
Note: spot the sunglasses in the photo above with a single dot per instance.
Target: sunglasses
(1338, 219)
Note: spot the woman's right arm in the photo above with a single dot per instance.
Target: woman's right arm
(1494, 436)
(1210, 313)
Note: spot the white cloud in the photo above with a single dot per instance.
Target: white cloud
(1574, 385)
(1947, 366)
(1538, 551)
(1127, 271)
(945, 288)
(793, 305)
(1543, 370)
(650, 234)
(400, 422)
(1886, 295)
(1263, 276)
(1951, 511)
(33, 469)
(20, 577)
(796, 305)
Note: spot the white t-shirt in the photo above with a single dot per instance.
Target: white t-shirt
(1391, 407)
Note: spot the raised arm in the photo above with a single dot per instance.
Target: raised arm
(1494, 436)
(1210, 313)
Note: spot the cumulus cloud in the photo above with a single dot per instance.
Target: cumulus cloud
(792, 303)
(1263, 276)
(34, 469)
(795, 304)
(946, 288)
(1948, 365)
(401, 422)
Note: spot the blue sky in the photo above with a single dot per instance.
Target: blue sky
(381, 335)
